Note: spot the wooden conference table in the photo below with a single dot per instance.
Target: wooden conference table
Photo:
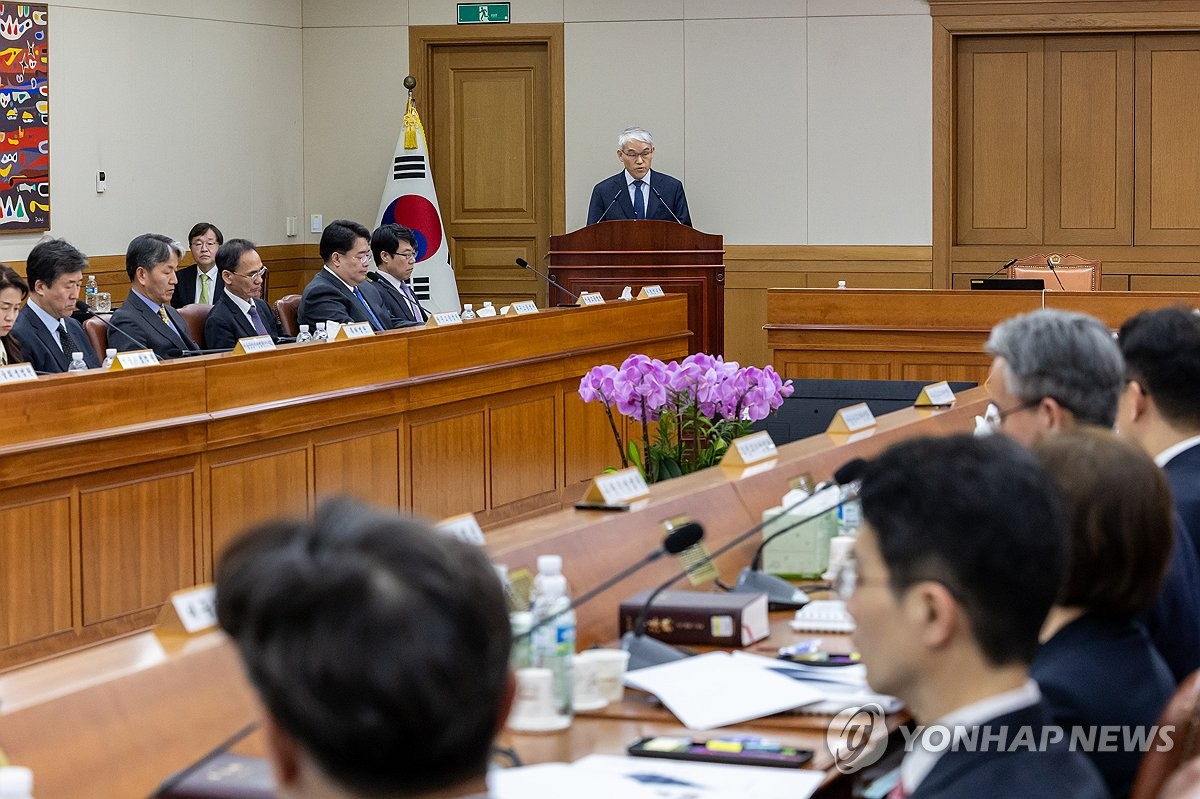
(114, 719)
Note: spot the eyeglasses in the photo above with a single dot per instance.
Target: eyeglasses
(365, 257)
(256, 275)
(635, 156)
(408, 255)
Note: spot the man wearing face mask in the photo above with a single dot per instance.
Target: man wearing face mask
(637, 192)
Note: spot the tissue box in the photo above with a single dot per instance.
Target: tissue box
(693, 617)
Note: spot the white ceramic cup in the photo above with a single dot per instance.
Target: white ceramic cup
(587, 683)
(534, 709)
(610, 665)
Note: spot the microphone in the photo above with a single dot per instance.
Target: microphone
(664, 203)
(782, 595)
(140, 345)
(1001, 269)
(1054, 272)
(610, 204)
(521, 262)
(177, 352)
(645, 651)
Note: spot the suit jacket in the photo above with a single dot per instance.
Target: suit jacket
(1102, 672)
(985, 773)
(226, 323)
(40, 347)
(1184, 473)
(668, 187)
(1173, 621)
(185, 289)
(326, 299)
(146, 327)
(395, 302)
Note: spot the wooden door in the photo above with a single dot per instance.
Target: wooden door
(493, 118)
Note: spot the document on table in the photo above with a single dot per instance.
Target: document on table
(716, 689)
(607, 776)
(840, 687)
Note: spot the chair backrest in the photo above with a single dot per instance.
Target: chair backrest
(1183, 714)
(287, 307)
(97, 333)
(196, 315)
(1074, 273)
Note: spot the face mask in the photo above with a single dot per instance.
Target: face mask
(989, 423)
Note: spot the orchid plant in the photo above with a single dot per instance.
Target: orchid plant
(698, 405)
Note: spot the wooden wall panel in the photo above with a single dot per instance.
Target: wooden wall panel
(1168, 160)
(999, 179)
(587, 424)
(366, 466)
(137, 544)
(254, 488)
(452, 445)
(523, 435)
(1089, 140)
(35, 553)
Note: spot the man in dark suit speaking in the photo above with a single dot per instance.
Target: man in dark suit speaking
(637, 192)
(239, 311)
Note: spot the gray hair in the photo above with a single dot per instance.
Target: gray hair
(634, 134)
(1070, 357)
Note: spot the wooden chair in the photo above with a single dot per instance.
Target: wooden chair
(1183, 714)
(287, 307)
(97, 333)
(1074, 273)
(196, 315)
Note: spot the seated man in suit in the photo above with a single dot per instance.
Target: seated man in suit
(952, 580)
(379, 647)
(44, 328)
(200, 282)
(240, 311)
(340, 292)
(146, 317)
(1053, 370)
(638, 193)
(394, 248)
(1160, 407)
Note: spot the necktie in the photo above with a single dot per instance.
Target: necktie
(3, 355)
(162, 312)
(204, 296)
(639, 204)
(417, 311)
(374, 319)
(64, 338)
(257, 321)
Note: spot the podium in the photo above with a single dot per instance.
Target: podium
(608, 256)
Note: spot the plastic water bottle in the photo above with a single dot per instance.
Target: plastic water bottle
(90, 291)
(850, 511)
(78, 364)
(553, 642)
(468, 312)
(305, 337)
(841, 284)
(110, 355)
(320, 335)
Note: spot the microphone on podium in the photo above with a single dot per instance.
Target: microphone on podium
(664, 203)
(1054, 272)
(521, 262)
(1001, 269)
(611, 203)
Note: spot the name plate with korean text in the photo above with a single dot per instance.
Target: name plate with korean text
(190, 611)
(591, 298)
(17, 373)
(464, 527)
(617, 488)
(522, 308)
(353, 331)
(936, 394)
(650, 291)
(746, 450)
(443, 319)
(852, 419)
(252, 344)
(135, 359)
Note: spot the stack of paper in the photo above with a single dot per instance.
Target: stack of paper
(840, 687)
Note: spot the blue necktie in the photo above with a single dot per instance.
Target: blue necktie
(639, 205)
(374, 319)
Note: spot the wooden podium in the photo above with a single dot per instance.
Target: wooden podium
(609, 256)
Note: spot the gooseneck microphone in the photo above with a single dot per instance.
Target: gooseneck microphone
(611, 203)
(664, 203)
(1054, 272)
(1001, 269)
(521, 262)
(140, 345)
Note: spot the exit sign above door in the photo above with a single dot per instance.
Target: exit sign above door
(482, 13)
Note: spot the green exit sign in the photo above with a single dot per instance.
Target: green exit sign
(482, 13)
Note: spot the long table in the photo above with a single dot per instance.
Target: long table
(918, 334)
(137, 709)
(117, 488)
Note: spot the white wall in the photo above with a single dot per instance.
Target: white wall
(191, 107)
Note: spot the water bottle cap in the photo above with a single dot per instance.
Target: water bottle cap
(303, 328)
(468, 306)
(549, 565)
(77, 356)
(487, 305)
(111, 352)
(320, 325)
(15, 782)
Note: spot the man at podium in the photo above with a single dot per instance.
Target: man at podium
(637, 192)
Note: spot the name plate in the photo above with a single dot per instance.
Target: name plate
(355, 330)
(133, 360)
(443, 319)
(754, 448)
(852, 420)
(522, 308)
(935, 395)
(17, 373)
(190, 611)
(650, 291)
(251, 344)
(591, 298)
(464, 527)
(617, 488)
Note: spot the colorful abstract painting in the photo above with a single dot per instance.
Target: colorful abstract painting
(24, 119)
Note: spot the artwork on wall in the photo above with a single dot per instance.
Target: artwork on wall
(24, 119)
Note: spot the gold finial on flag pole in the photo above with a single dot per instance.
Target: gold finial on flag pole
(410, 116)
